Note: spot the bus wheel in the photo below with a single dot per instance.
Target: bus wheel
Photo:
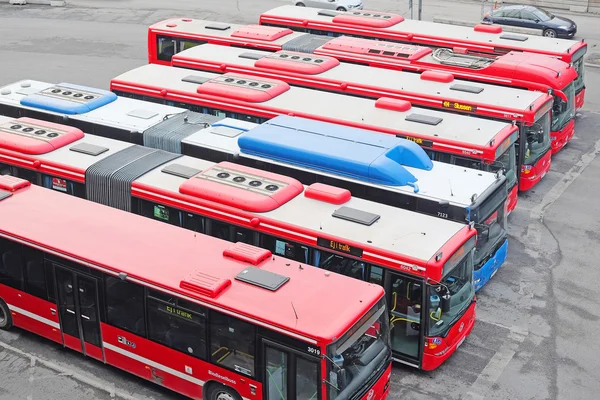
(220, 392)
(5, 318)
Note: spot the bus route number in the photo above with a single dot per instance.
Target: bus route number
(459, 106)
(313, 351)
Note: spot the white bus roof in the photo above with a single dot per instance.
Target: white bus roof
(122, 112)
(491, 95)
(444, 182)
(397, 230)
(429, 29)
(460, 128)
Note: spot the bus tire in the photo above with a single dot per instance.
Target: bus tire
(5, 317)
(216, 391)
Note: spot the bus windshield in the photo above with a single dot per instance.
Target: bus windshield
(537, 139)
(561, 112)
(358, 356)
(490, 232)
(457, 284)
(507, 163)
(580, 68)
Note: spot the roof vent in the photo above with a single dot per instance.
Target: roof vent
(517, 38)
(488, 28)
(372, 19)
(31, 136)
(4, 195)
(328, 13)
(393, 104)
(327, 193)
(205, 284)
(199, 80)
(181, 171)
(247, 253)
(89, 149)
(69, 99)
(12, 183)
(261, 278)
(424, 119)
(218, 27)
(437, 76)
(355, 215)
(261, 32)
(251, 56)
(467, 88)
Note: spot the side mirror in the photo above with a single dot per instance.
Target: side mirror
(537, 21)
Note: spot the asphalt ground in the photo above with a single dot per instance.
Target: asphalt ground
(535, 337)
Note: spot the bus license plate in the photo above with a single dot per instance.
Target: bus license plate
(461, 342)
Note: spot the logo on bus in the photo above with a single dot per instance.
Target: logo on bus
(371, 394)
(123, 340)
(59, 184)
(460, 328)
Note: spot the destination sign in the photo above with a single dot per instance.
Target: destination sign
(340, 247)
(459, 106)
(419, 141)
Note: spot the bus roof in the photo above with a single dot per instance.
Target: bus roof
(507, 99)
(442, 181)
(424, 31)
(165, 256)
(331, 107)
(114, 111)
(398, 231)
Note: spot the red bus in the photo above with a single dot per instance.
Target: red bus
(428, 277)
(431, 90)
(168, 40)
(478, 144)
(481, 39)
(142, 302)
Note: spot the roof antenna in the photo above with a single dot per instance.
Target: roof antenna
(294, 308)
(450, 183)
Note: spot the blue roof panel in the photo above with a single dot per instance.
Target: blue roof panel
(356, 153)
(70, 99)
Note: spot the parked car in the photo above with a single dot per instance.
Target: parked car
(340, 5)
(535, 18)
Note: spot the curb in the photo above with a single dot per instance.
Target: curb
(591, 65)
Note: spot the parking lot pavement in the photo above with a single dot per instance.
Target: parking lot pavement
(537, 319)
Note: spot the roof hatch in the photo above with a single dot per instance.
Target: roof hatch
(205, 284)
(11, 183)
(261, 278)
(66, 98)
(356, 215)
(261, 32)
(376, 48)
(307, 64)
(247, 253)
(336, 149)
(244, 87)
(31, 136)
(372, 19)
(242, 187)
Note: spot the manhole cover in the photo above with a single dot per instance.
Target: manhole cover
(593, 58)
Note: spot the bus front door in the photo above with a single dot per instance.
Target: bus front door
(405, 299)
(79, 313)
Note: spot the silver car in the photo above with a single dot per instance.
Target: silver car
(340, 5)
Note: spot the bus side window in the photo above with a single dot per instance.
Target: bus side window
(285, 248)
(160, 212)
(467, 162)
(35, 273)
(376, 275)
(11, 264)
(125, 305)
(177, 324)
(232, 343)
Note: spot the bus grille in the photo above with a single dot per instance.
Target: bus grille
(168, 134)
(306, 43)
(109, 181)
